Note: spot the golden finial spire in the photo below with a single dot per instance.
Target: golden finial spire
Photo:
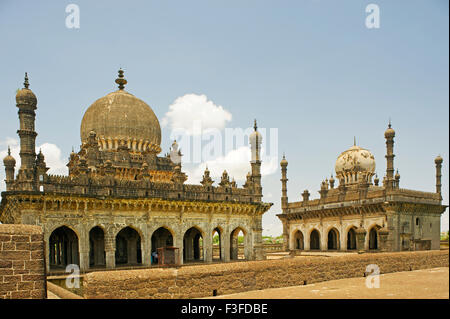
(389, 125)
(26, 84)
(121, 80)
(354, 140)
(255, 126)
(9, 151)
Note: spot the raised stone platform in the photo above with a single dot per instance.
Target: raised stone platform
(203, 280)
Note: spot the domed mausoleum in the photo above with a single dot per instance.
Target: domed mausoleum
(359, 214)
(120, 118)
(122, 204)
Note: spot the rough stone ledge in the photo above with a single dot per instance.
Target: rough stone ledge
(13, 229)
(61, 292)
(199, 281)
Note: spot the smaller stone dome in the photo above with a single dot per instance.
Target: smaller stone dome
(389, 133)
(9, 161)
(25, 95)
(355, 165)
(284, 162)
(438, 159)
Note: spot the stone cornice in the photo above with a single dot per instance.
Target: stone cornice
(379, 207)
(55, 202)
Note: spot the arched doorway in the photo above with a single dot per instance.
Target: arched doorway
(237, 244)
(373, 238)
(298, 240)
(63, 248)
(314, 240)
(96, 247)
(217, 244)
(351, 239)
(128, 247)
(161, 237)
(333, 239)
(193, 245)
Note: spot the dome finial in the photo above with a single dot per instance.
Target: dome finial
(354, 140)
(255, 126)
(389, 125)
(9, 151)
(26, 84)
(121, 80)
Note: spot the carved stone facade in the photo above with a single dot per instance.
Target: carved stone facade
(121, 201)
(359, 215)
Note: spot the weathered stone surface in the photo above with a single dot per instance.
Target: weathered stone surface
(200, 281)
(20, 277)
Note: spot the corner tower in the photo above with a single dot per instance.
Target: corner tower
(26, 101)
(255, 142)
(284, 179)
(389, 135)
(438, 161)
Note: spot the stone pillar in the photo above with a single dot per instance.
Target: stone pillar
(323, 241)
(383, 234)
(47, 257)
(110, 249)
(110, 258)
(360, 239)
(307, 241)
(84, 260)
(258, 252)
(208, 247)
(146, 252)
(285, 235)
(178, 242)
(226, 246)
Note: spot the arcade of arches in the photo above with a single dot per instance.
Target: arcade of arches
(332, 239)
(130, 249)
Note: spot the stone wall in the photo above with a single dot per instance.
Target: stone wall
(22, 268)
(201, 281)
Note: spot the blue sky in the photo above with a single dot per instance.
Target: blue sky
(309, 68)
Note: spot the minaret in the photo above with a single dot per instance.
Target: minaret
(397, 179)
(9, 163)
(284, 179)
(389, 135)
(255, 142)
(26, 102)
(438, 161)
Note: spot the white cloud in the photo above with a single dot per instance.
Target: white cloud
(52, 154)
(191, 111)
(53, 159)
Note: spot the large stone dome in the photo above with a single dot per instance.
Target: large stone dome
(355, 165)
(120, 118)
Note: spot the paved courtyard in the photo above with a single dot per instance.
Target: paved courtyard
(424, 284)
